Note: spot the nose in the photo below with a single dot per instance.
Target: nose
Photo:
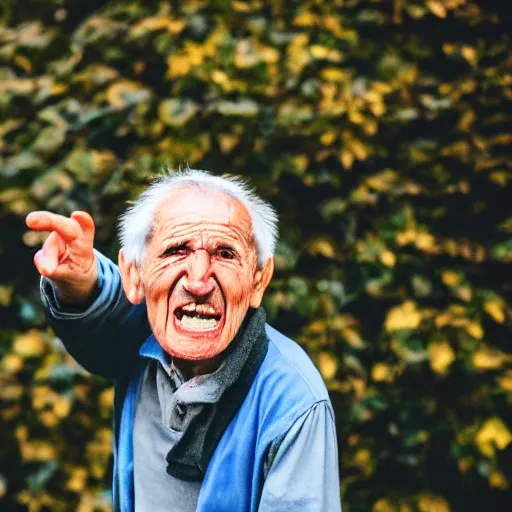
(198, 280)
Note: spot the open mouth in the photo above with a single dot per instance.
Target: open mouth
(198, 317)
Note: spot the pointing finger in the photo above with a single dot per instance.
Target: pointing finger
(68, 229)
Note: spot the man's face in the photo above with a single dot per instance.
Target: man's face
(199, 273)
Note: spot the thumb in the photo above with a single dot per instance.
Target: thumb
(47, 258)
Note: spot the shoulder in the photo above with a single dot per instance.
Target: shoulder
(287, 359)
(286, 387)
(287, 374)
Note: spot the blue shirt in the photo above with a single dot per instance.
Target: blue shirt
(300, 466)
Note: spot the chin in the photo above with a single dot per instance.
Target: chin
(195, 346)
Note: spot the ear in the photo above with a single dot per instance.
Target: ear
(261, 280)
(132, 282)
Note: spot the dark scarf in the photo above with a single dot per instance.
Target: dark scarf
(189, 458)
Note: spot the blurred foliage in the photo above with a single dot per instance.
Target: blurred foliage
(381, 131)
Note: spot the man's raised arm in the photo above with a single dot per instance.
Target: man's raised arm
(83, 296)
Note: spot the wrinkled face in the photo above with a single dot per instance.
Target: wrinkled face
(199, 274)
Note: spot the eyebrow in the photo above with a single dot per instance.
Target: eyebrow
(170, 247)
(225, 246)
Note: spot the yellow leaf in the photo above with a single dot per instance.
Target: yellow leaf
(227, 141)
(48, 418)
(268, 54)
(378, 109)
(362, 457)
(498, 480)
(486, 358)
(30, 344)
(173, 26)
(470, 54)
(347, 159)
(116, 94)
(505, 382)
(382, 372)
(451, 278)
(405, 316)
(495, 308)
(301, 162)
(475, 330)
(241, 6)
(388, 258)
(499, 177)
(466, 121)
(353, 338)
(219, 77)
(315, 327)
(246, 54)
(77, 479)
(429, 503)
(334, 75)
(41, 397)
(24, 63)
(465, 464)
(328, 137)
(384, 505)
(323, 247)
(465, 293)
(37, 451)
(5, 295)
(305, 19)
(12, 363)
(327, 365)
(61, 406)
(178, 64)
(355, 116)
(177, 112)
(383, 181)
(106, 398)
(333, 24)
(441, 357)
(506, 225)
(425, 241)
(319, 51)
(493, 434)
(359, 150)
(382, 87)
(437, 8)
(18, 86)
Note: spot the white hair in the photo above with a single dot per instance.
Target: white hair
(136, 223)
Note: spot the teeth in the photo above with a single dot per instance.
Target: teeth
(205, 309)
(202, 309)
(195, 323)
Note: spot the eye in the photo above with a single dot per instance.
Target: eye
(175, 250)
(226, 253)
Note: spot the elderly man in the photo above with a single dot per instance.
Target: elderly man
(214, 409)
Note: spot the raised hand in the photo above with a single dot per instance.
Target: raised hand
(67, 256)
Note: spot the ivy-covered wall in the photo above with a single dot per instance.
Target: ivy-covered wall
(381, 132)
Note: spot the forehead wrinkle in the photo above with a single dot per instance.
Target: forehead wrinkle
(192, 230)
(232, 221)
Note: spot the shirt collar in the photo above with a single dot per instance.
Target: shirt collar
(153, 350)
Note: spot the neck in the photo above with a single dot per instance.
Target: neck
(191, 369)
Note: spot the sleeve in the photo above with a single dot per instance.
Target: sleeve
(106, 335)
(302, 469)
